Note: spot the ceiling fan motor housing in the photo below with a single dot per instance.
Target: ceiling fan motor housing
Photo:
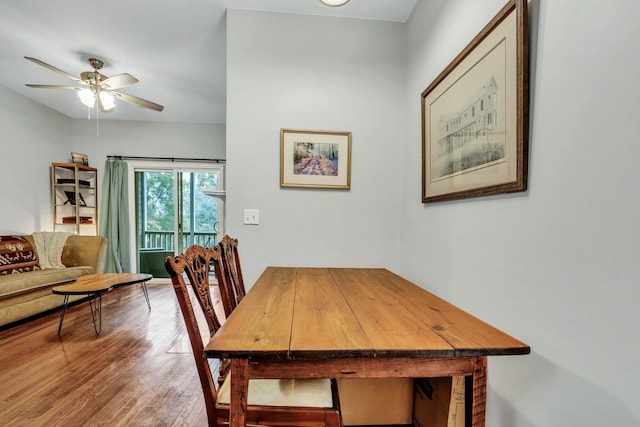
(92, 77)
(96, 63)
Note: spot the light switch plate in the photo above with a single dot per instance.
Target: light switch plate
(252, 216)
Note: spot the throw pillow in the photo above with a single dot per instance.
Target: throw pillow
(16, 255)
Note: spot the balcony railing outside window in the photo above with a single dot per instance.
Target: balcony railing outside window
(165, 240)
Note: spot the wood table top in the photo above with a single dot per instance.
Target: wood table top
(102, 282)
(307, 313)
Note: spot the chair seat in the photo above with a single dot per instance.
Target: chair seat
(308, 393)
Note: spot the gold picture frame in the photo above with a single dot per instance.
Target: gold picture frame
(315, 159)
(475, 120)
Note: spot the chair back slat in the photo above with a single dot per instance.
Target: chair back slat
(231, 261)
(225, 285)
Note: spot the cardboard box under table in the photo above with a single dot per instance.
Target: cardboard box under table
(439, 402)
(376, 401)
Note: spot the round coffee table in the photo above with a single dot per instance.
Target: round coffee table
(94, 285)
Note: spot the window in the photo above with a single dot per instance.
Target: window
(174, 208)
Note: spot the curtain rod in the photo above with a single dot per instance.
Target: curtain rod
(171, 159)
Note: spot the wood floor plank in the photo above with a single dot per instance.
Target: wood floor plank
(124, 376)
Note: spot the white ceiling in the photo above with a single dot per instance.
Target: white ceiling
(177, 49)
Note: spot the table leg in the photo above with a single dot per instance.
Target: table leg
(146, 294)
(239, 391)
(479, 393)
(96, 308)
(65, 304)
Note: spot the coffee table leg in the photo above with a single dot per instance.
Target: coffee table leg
(65, 304)
(146, 295)
(96, 308)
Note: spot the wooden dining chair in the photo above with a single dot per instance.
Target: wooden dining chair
(233, 271)
(291, 402)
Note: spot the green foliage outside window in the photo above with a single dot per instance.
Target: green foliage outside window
(160, 206)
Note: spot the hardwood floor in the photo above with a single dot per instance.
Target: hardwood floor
(126, 376)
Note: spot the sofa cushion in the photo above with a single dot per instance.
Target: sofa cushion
(16, 284)
(16, 255)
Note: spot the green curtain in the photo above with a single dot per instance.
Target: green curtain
(114, 216)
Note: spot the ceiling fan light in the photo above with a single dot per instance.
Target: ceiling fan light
(87, 97)
(107, 101)
(334, 3)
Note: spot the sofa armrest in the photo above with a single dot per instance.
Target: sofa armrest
(85, 250)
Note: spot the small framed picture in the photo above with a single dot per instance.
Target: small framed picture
(80, 159)
(315, 159)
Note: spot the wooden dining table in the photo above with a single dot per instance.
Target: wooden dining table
(353, 323)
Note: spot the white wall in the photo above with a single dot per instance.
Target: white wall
(558, 265)
(309, 72)
(132, 138)
(32, 136)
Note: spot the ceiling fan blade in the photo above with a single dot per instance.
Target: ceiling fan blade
(116, 82)
(57, 70)
(138, 101)
(54, 87)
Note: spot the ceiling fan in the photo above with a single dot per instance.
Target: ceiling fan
(95, 87)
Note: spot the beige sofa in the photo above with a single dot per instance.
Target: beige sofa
(26, 294)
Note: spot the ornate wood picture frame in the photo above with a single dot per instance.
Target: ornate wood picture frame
(475, 120)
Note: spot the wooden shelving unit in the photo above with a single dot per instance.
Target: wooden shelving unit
(74, 198)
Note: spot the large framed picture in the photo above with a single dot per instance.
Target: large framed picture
(315, 159)
(475, 115)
